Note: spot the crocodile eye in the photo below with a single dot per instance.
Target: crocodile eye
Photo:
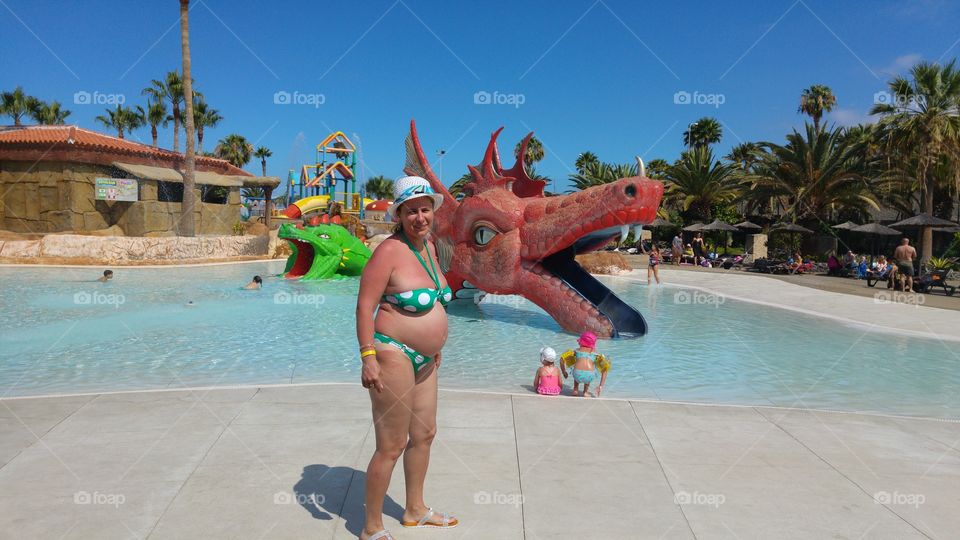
(483, 235)
(325, 236)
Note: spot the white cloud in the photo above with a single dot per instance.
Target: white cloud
(902, 64)
(849, 117)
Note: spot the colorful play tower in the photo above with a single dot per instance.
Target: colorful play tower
(332, 178)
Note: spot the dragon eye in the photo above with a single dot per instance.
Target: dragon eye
(325, 236)
(483, 235)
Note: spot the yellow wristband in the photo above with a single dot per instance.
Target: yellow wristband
(368, 353)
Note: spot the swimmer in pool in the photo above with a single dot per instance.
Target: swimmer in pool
(254, 284)
(107, 276)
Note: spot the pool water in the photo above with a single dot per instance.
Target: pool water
(63, 332)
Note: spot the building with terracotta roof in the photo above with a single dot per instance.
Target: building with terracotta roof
(66, 178)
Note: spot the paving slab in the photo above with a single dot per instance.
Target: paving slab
(289, 462)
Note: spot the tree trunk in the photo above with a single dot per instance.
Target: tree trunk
(189, 197)
(267, 194)
(176, 124)
(263, 162)
(926, 242)
(119, 133)
(153, 133)
(200, 140)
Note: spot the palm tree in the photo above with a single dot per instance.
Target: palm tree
(235, 149)
(16, 104)
(585, 158)
(263, 153)
(49, 113)
(204, 117)
(123, 119)
(703, 132)
(598, 173)
(817, 174)
(187, 221)
(698, 183)
(171, 89)
(379, 187)
(923, 125)
(157, 116)
(456, 188)
(815, 101)
(534, 151)
(745, 155)
(657, 168)
(253, 192)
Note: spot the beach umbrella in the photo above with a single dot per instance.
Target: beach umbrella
(748, 226)
(792, 228)
(845, 226)
(874, 230)
(659, 222)
(694, 227)
(717, 225)
(951, 230)
(923, 220)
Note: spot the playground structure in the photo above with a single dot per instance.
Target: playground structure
(332, 178)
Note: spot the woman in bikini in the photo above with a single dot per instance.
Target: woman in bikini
(401, 327)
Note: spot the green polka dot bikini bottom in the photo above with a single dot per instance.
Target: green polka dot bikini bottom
(417, 358)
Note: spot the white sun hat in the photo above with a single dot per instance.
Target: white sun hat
(547, 354)
(411, 187)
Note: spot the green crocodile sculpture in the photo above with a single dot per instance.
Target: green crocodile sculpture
(323, 252)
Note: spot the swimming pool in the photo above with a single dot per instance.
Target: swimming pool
(65, 333)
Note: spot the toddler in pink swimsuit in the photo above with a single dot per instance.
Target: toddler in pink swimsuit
(547, 381)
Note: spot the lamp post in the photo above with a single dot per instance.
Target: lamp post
(440, 153)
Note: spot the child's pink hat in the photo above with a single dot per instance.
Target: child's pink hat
(587, 339)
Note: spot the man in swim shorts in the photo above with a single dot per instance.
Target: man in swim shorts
(904, 255)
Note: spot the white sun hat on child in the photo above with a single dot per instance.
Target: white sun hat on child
(411, 187)
(547, 354)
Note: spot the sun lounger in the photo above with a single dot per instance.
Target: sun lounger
(937, 278)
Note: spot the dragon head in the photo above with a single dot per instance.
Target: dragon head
(506, 237)
(322, 251)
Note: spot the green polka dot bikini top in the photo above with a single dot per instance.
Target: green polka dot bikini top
(419, 300)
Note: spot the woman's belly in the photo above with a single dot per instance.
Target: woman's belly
(426, 332)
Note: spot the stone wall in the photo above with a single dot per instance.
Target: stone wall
(118, 249)
(46, 197)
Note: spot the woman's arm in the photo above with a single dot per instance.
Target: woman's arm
(373, 283)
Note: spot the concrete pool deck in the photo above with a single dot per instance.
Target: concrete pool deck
(286, 462)
(882, 310)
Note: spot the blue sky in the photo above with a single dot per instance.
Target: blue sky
(591, 75)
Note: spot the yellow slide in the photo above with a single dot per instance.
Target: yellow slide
(306, 205)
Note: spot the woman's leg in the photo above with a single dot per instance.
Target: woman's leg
(656, 273)
(391, 421)
(422, 430)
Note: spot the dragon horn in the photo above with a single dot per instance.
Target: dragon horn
(640, 168)
(490, 170)
(523, 185)
(417, 165)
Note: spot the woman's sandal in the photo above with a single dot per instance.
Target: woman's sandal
(381, 535)
(447, 521)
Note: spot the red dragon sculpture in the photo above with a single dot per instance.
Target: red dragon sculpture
(506, 237)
